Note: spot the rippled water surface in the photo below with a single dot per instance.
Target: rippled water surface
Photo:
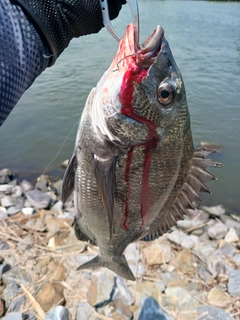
(205, 41)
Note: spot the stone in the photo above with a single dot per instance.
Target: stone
(14, 316)
(58, 313)
(17, 303)
(215, 210)
(213, 313)
(64, 164)
(17, 274)
(157, 253)
(58, 185)
(234, 283)
(122, 292)
(28, 211)
(3, 214)
(6, 188)
(84, 311)
(8, 201)
(180, 238)
(5, 172)
(11, 291)
(38, 199)
(26, 185)
(142, 290)
(27, 243)
(116, 310)
(215, 265)
(102, 286)
(4, 268)
(4, 245)
(180, 298)
(217, 231)
(49, 295)
(57, 208)
(42, 183)
(218, 297)
(2, 307)
(57, 271)
(231, 236)
(17, 191)
(134, 260)
(230, 223)
(173, 279)
(151, 311)
(183, 261)
(227, 249)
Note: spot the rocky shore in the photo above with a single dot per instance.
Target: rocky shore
(193, 272)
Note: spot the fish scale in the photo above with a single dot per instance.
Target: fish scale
(134, 170)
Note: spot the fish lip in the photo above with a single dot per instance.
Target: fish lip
(149, 50)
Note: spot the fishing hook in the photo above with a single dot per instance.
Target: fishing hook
(107, 23)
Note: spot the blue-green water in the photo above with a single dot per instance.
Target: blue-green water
(205, 40)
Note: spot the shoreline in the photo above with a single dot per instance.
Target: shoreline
(192, 272)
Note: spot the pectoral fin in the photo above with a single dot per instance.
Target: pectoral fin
(104, 170)
(68, 179)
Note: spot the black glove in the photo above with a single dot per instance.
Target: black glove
(58, 21)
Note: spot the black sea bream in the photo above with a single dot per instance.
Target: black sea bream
(134, 170)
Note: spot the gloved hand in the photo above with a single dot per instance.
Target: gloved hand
(58, 21)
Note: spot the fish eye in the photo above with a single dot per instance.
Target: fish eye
(166, 93)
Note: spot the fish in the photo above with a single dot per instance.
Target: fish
(134, 171)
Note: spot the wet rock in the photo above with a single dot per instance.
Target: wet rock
(157, 253)
(231, 236)
(151, 311)
(103, 284)
(26, 185)
(8, 201)
(14, 316)
(215, 210)
(234, 283)
(217, 297)
(58, 313)
(213, 313)
(4, 268)
(38, 199)
(217, 231)
(85, 312)
(181, 239)
(49, 295)
(183, 261)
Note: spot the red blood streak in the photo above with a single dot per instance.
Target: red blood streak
(126, 97)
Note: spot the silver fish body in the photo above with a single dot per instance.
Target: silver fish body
(134, 170)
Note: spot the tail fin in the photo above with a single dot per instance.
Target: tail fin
(118, 265)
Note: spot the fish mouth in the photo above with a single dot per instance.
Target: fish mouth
(147, 52)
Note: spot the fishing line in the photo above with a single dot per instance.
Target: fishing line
(60, 148)
(130, 55)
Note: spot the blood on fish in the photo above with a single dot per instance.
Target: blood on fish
(137, 74)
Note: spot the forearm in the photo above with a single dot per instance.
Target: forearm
(23, 56)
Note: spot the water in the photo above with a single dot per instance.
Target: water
(205, 40)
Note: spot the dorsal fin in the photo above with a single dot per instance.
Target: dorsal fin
(104, 170)
(192, 186)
